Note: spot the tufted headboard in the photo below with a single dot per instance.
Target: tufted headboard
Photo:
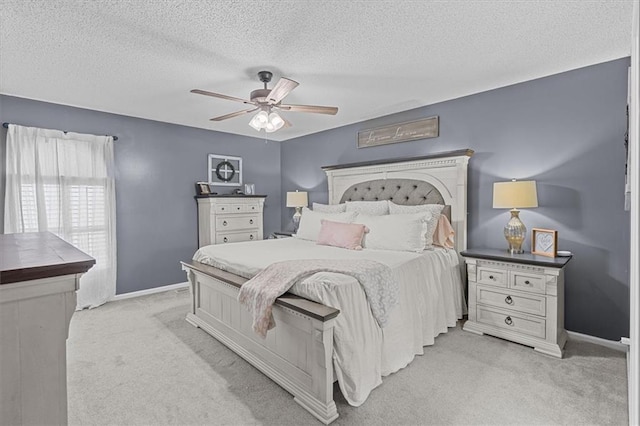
(435, 179)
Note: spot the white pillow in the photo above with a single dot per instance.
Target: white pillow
(432, 222)
(329, 208)
(400, 232)
(370, 208)
(311, 222)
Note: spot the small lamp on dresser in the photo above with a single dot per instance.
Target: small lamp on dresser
(513, 195)
(298, 200)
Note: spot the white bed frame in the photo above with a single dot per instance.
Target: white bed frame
(298, 353)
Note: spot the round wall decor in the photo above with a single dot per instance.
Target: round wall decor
(225, 171)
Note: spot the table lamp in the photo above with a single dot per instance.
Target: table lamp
(513, 195)
(298, 200)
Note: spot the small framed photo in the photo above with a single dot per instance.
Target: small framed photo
(544, 242)
(202, 188)
(249, 189)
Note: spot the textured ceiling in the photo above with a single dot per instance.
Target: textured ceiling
(369, 58)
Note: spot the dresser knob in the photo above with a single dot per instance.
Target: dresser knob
(508, 300)
(225, 239)
(237, 208)
(224, 223)
(251, 221)
(251, 237)
(508, 321)
(222, 208)
(491, 277)
(527, 282)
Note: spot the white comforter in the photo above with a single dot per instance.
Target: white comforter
(431, 299)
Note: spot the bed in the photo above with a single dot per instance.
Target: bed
(323, 331)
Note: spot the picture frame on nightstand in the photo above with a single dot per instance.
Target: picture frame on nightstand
(544, 242)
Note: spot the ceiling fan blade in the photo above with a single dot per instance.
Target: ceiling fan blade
(233, 114)
(310, 108)
(282, 88)
(287, 123)
(221, 96)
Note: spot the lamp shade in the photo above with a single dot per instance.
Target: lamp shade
(297, 199)
(515, 194)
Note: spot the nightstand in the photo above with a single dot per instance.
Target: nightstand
(518, 297)
(282, 234)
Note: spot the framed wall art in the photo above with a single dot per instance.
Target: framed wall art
(544, 242)
(400, 132)
(225, 170)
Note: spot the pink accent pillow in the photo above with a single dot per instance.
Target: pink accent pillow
(443, 235)
(345, 235)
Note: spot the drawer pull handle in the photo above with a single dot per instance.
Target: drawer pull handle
(251, 221)
(224, 223)
(491, 277)
(221, 208)
(508, 300)
(527, 282)
(237, 208)
(225, 239)
(251, 237)
(508, 321)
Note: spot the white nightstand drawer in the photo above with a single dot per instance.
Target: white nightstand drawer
(516, 301)
(497, 277)
(527, 282)
(236, 237)
(513, 321)
(233, 223)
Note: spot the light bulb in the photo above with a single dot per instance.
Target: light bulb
(259, 121)
(276, 121)
(269, 128)
(262, 117)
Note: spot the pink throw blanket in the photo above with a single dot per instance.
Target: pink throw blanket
(260, 293)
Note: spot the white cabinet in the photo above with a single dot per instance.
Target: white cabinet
(517, 297)
(39, 276)
(230, 219)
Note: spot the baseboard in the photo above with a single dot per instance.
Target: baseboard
(618, 346)
(148, 291)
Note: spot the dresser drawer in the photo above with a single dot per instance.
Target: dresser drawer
(231, 223)
(511, 320)
(527, 282)
(236, 237)
(497, 277)
(516, 301)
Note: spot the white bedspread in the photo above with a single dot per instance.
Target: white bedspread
(430, 300)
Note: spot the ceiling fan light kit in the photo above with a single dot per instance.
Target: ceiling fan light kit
(268, 101)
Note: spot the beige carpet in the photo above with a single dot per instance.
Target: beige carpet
(138, 362)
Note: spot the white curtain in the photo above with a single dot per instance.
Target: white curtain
(64, 183)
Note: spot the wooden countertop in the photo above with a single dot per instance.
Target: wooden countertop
(35, 255)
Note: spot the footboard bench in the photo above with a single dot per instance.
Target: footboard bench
(297, 353)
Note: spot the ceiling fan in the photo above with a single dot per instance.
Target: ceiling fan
(268, 102)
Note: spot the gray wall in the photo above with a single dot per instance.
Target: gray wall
(157, 165)
(565, 131)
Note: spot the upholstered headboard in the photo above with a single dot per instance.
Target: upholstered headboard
(434, 179)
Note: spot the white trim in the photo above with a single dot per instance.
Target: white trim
(611, 344)
(148, 291)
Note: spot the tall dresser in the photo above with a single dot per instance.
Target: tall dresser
(39, 276)
(229, 218)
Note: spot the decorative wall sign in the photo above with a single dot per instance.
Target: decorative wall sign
(402, 132)
(544, 242)
(225, 170)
